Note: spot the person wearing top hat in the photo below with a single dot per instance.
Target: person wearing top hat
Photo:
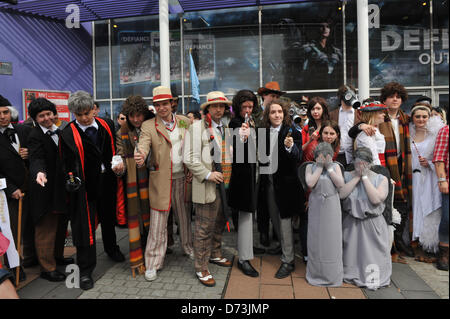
(269, 92)
(14, 168)
(87, 146)
(47, 190)
(161, 139)
(207, 141)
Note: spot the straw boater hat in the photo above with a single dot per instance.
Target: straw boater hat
(271, 87)
(372, 107)
(216, 97)
(161, 93)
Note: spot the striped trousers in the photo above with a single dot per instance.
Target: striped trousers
(155, 251)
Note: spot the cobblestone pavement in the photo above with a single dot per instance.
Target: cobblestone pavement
(177, 279)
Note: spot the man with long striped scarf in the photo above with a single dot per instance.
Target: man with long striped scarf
(136, 111)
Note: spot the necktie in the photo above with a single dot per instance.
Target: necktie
(92, 133)
(10, 133)
(50, 133)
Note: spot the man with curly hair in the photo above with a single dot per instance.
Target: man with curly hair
(135, 111)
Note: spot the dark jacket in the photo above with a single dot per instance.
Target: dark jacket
(44, 157)
(12, 166)
(289, 194)
(84, 202)
(242, 189)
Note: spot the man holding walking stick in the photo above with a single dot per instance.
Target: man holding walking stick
(14, 166)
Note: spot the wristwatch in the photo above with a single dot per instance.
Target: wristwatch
(441, 179)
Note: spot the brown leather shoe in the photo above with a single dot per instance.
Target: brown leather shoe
(206, 278)
(221, 261)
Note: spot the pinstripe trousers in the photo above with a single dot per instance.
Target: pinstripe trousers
(157, 236)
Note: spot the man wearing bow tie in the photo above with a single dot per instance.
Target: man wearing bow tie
(87, 146)
(14, 166)
(47, 192)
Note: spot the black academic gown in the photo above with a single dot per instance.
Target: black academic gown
(44, 157)
(98, 190)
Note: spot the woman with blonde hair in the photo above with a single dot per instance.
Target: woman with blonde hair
(373, 113)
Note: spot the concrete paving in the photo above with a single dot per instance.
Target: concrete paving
(177, 280)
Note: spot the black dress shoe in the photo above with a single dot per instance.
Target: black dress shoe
(116, 255)
(86, 282)
(64, 261)
(275, 251)
(258, 251)
(284, 270)
(53, 276)
(247, 268)
(264, 239)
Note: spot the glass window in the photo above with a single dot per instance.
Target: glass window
(101, 60)
(398, 40)
(440, 42)
(225, 49)
(105, 109)
(302, 45)
(135, 55)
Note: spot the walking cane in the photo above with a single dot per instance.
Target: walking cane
(19, 235)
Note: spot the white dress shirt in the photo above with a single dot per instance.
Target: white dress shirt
(52, 129)
(346, 121)
(15, 145)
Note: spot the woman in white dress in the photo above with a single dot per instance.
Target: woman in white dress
(426, 197)
(373, 113)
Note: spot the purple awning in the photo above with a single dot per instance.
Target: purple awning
(91, 10)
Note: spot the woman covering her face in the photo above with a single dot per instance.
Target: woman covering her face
(324, 178)
(365, 233)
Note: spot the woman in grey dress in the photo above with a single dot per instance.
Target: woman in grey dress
(367, 258)
(324, 178)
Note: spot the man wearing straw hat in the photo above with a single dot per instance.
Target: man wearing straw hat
(162, 137)
(205, 138)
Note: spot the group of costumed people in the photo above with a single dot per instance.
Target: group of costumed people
(350, 176)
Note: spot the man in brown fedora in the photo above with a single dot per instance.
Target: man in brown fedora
(269, 92)
(162, 137)
(206, 194)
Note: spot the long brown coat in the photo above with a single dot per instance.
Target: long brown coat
(154, 139)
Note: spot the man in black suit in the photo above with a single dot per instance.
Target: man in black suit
(14, 167)
(47, 191)
(88, 145)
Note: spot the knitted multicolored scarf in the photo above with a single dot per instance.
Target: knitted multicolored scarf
(403, 179)
(138, 206)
